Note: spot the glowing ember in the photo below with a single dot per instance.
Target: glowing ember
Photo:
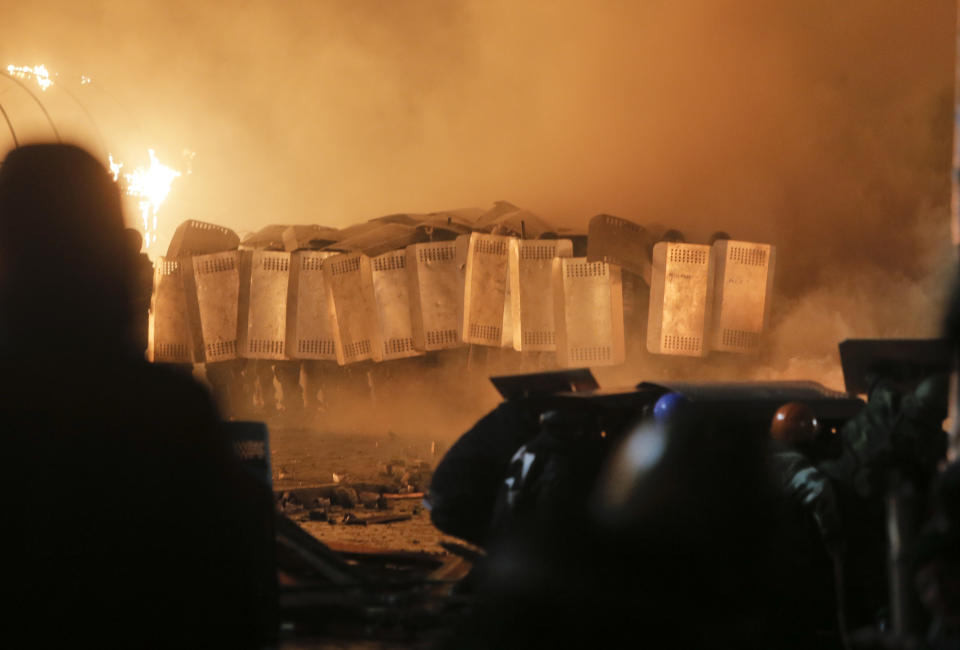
(151, 186)
(39, 73)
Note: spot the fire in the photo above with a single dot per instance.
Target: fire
(151, 185)
(38, 72)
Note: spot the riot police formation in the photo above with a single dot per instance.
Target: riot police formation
(315, 310)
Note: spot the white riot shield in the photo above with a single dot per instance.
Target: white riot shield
(392, 296)
(310, 322)
(743, 284)
(350, 294)
(486, 260)
(681, 291)
(263, 335)
(169, 340)
(217, 280)
(588, 313)
(436, 295)
(532, 293)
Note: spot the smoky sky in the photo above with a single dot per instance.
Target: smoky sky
(823, 127)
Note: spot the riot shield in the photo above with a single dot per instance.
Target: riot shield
(392, 296)
(169, 338)
(617, 241)
(532, 293)
(310, 323)
(485, 287)
(217, 281)
(436, 295)
(588, 313)
(350, 294)
(263, 308)
(743, 284)
(681, 291)
(200, 238)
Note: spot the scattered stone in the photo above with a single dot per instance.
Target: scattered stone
(368, 499)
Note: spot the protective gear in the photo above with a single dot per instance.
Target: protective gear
(669, 406)
(794, 423)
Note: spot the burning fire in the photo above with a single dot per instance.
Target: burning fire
(38, 72)
(151, 185)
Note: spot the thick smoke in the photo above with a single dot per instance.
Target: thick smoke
(821, 127)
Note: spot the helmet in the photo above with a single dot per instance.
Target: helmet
(669, 406)
(794, 423)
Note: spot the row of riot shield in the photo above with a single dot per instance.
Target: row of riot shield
(479, 289)
(706, 298)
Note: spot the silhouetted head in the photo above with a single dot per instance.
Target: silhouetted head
(64, 263)
(134, 240)
(674, 236)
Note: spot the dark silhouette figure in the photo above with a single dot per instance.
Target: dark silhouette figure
(142, 289)
(126, 520)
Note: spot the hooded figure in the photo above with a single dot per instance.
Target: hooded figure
(125, 516)
(65, 270)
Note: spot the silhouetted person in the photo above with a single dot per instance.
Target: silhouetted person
(142, 288)
(124, 514)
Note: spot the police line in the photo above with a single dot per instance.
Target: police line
(479, 289)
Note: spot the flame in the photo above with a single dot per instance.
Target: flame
(151, 185)
(115, 167)
(38, 72)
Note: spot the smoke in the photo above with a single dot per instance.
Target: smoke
(821, 127)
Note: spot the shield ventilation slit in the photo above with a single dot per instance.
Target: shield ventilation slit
(441, 337)
(486, 332)
(590, 353)
(397, 346)
(682, 343)
(261, 346)
(541, 337)
(316, 347)
(741, 339)
(357, 348)
(221, 348)
(345, 266)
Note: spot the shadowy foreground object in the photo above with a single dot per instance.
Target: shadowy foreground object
(124, 513)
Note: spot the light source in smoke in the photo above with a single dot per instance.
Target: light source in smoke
(149, 184)
(38, 72)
